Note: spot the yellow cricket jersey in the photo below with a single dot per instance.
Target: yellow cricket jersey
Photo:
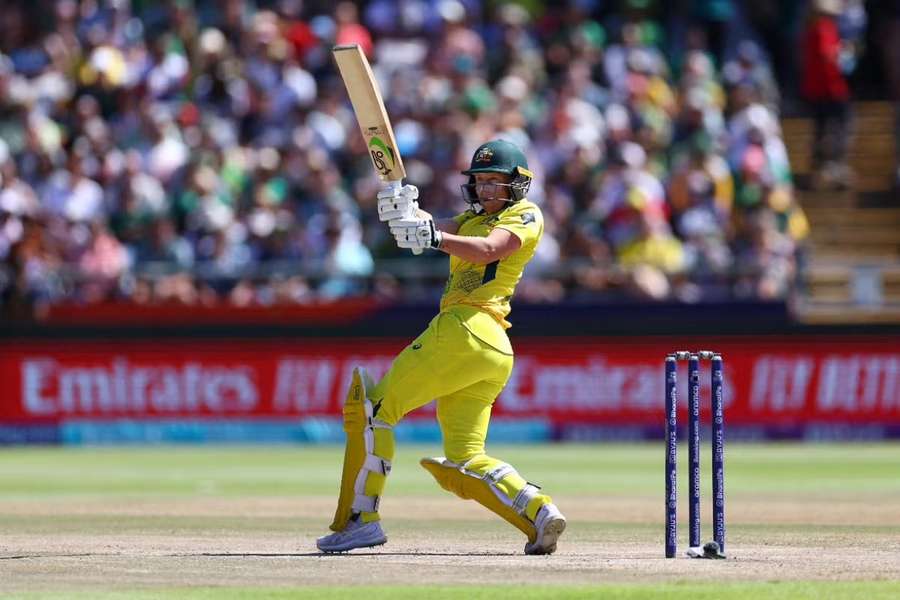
(479, 294)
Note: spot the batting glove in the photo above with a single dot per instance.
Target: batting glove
(417, 233)
(397, 204)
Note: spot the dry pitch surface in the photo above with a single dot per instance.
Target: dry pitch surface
(152, 520)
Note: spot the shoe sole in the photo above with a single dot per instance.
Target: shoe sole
(552, 531)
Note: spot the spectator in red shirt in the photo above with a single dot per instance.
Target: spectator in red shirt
(824, 86)
(350, 30)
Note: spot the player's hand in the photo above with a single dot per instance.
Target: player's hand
(397, 204)
(416, 233)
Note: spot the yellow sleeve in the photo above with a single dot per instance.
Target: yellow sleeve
(524, 220)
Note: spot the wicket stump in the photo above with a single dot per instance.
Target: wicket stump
(718, 451)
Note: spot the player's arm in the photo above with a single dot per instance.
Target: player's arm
(423, 232)
(447, 225)
(498, 244)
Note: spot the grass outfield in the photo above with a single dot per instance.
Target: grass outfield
(677, 591)
(804, 521)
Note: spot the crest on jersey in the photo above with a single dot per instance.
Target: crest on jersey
(527, 218)
(485, 154)
(467, 281)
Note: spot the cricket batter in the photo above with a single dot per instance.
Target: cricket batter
(463, 359)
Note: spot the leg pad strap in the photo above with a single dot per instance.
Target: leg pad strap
(524, 497)
(372, 464)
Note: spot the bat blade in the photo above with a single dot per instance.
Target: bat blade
(371, 115)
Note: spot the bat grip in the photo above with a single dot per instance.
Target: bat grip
(396, 185)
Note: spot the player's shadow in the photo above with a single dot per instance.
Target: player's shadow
(344, 554)
(79, 555)
(265, 554)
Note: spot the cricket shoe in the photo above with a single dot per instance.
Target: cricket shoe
(356, 535)
(550, 524)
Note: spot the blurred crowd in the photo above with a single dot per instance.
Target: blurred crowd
(199, 152)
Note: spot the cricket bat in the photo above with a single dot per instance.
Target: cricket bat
(371, 115)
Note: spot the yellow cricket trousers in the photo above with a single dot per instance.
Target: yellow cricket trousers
(448, 363)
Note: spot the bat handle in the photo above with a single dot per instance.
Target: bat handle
(396, 185)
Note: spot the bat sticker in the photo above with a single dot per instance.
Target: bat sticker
(381, 151)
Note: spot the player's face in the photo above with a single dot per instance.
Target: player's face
(492, 190)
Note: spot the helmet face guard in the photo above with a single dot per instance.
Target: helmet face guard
(470, 195)
(518, 189)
